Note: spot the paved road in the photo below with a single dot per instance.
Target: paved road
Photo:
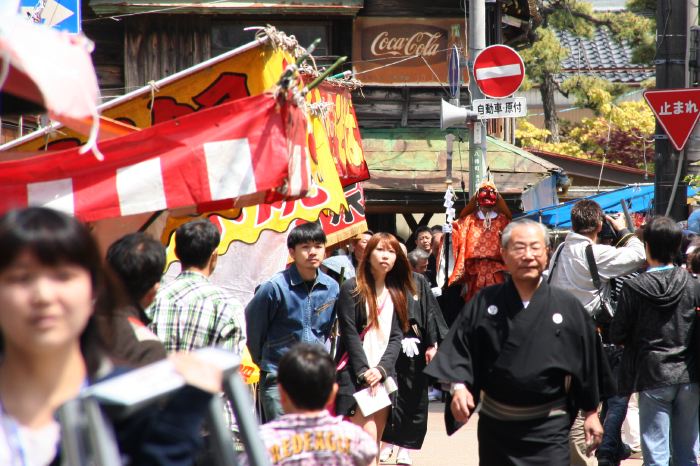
(457, 450)
(440, 450)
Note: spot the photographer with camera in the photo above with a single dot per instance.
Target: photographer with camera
(585, 268)
(571, 267)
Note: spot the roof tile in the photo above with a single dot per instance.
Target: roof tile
(601, 56)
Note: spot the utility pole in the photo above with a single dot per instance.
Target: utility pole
(477, 131)
(671, 72)
(692, 147)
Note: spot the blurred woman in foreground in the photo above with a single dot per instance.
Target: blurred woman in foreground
(51, 283)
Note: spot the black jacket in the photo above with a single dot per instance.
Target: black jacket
(131, 343)
(352, 319)
(655, 321)
(163, 433)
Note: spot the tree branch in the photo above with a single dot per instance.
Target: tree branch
(546, 11)
(559, 88)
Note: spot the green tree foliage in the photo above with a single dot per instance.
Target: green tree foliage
(543, 58)
(592, 92)
(618, 133)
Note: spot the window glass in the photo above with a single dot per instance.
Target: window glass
(227, 35)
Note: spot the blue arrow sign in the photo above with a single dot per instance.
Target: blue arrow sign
(454, 75)
(63, 15)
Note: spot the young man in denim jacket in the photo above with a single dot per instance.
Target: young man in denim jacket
(295, 305)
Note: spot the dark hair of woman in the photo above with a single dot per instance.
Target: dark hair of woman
(399, 281)
(55, 238)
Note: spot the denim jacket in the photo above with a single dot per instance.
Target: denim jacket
(284, 311)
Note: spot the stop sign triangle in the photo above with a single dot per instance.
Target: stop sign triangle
(677, 111)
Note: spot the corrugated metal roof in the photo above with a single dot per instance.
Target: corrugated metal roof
(320, 7)
(601, 56)
(608, 5)
(409, 159)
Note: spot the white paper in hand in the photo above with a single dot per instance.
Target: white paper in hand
(371, 404)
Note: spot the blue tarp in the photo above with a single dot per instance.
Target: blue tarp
(639, 198)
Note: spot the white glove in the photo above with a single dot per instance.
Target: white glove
(410, 346)
(447, 228)
(437, 291)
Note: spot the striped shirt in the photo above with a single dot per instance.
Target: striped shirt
(190, 312)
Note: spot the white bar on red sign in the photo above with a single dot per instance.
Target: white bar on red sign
(140, 187)
(512, 107)
(498, 71)
(55, 194)
(229, 177)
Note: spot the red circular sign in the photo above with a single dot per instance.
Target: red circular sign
(499, 71)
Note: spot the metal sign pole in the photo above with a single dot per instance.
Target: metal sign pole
(101, 437)
(223, 449)
(73, 444)
(477, 137)
(242, 405)
(448, 218)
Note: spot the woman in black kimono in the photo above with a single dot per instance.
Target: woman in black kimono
(409, 418)
(373, 315)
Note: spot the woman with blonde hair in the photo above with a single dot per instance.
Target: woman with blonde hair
(373, 315)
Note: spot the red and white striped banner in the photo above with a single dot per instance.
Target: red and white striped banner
(242, 153)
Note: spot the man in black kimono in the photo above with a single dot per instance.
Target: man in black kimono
(526, 352)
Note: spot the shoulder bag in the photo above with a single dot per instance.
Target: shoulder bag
(605, 311)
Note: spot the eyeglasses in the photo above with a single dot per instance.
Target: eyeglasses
(536, 249)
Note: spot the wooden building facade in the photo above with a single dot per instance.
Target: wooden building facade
(134, 48)
(139, 41)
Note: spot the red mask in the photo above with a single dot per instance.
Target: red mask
(486, 197)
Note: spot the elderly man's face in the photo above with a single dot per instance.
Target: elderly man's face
(525, 255)
(421, 266)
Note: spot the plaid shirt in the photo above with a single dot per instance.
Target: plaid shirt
(190, 313)
(316, 440)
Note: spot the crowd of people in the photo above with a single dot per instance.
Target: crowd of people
(551, 342)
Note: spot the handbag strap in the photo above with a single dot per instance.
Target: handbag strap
(592, 266)
(556, 259)
(343, 361)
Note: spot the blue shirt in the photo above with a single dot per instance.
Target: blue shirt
(285, 310)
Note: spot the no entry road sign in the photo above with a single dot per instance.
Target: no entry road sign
(499, 71)
(677, 111)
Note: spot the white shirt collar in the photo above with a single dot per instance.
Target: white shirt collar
(492, 214)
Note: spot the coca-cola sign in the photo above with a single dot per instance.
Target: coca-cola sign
(395, 51)
(404, 41)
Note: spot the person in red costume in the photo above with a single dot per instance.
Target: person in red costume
(476, 241)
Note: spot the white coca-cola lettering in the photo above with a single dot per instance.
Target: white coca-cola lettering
(420, 43)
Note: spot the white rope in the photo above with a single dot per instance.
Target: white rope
(154, 89)
(91, 144)
(437, 79)
(349, 83)
(388, 65)
(278, 39)
(320, 109)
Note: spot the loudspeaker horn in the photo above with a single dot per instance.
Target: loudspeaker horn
(451, 115)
